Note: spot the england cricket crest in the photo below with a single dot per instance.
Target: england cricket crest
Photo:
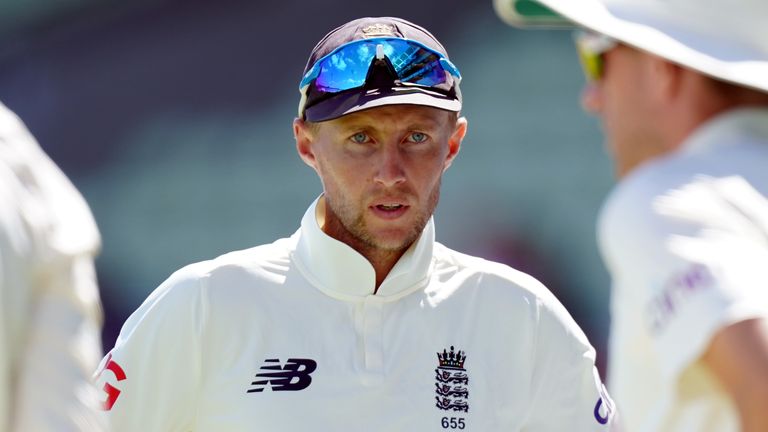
(451, 381)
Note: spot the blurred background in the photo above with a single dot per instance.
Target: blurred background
(173, 118)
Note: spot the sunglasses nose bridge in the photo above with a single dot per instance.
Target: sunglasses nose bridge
(381, 73)
(380, 52)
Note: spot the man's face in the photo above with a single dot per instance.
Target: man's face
(622, 99)
(381, 170)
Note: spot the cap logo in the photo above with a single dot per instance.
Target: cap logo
(376, 30)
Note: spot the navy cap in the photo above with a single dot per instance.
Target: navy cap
(318, 106)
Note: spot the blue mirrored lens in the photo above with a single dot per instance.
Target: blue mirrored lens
(347, 67)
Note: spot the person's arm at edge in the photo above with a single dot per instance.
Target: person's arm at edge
(738, 357)
(62, 347)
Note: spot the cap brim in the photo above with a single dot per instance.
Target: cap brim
(530, 13)
(712, 54)
(348, 102)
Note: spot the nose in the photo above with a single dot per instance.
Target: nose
(592, 98)
(390, 171)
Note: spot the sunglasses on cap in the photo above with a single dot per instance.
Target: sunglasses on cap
(347, 67)
(592, 48)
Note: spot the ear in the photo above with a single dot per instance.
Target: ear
(454, 142)
(666, 78)
(304, 137)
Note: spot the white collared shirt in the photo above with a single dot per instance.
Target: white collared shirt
(685, 238)
(290, 337)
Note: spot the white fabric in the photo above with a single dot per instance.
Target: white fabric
(685, 239)
(50, 316)
(187, 357)
(727, 40)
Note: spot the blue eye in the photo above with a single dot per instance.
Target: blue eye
(418, 137)
(359, 138)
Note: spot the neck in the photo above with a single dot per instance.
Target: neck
(704, 98)
(382, 260)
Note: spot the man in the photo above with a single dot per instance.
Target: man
(50, 314)
(360, 320)
(682, 91)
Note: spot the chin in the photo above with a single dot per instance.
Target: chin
(395, 241)
(388, 243)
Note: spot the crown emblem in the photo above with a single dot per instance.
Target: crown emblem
(375, 30)
(452, 359)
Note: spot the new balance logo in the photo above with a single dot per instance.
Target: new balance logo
(293, 376)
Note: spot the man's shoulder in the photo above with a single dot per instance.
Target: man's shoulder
(646, 197)
(516, 292)
(487, 274)
(668, 195)
(266, 255)
(252, 262)
(685, 168)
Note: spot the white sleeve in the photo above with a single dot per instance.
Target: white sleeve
(696, 257)
(54, 391)
(150, 380)
(50, 314)
(568, 394)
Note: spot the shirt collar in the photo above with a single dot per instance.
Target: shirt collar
(340, 271)
(733, 126)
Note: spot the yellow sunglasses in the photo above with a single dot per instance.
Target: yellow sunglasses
(592, 48)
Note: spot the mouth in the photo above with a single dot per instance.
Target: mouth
(389, 210)
(389, 207)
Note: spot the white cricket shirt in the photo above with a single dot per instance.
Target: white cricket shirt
(50, 315)
(685, 239)
(289, 337)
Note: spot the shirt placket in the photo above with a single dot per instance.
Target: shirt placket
(373, 339)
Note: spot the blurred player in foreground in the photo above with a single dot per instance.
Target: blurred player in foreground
(50, 313)
(360, 321)
(682, 92)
